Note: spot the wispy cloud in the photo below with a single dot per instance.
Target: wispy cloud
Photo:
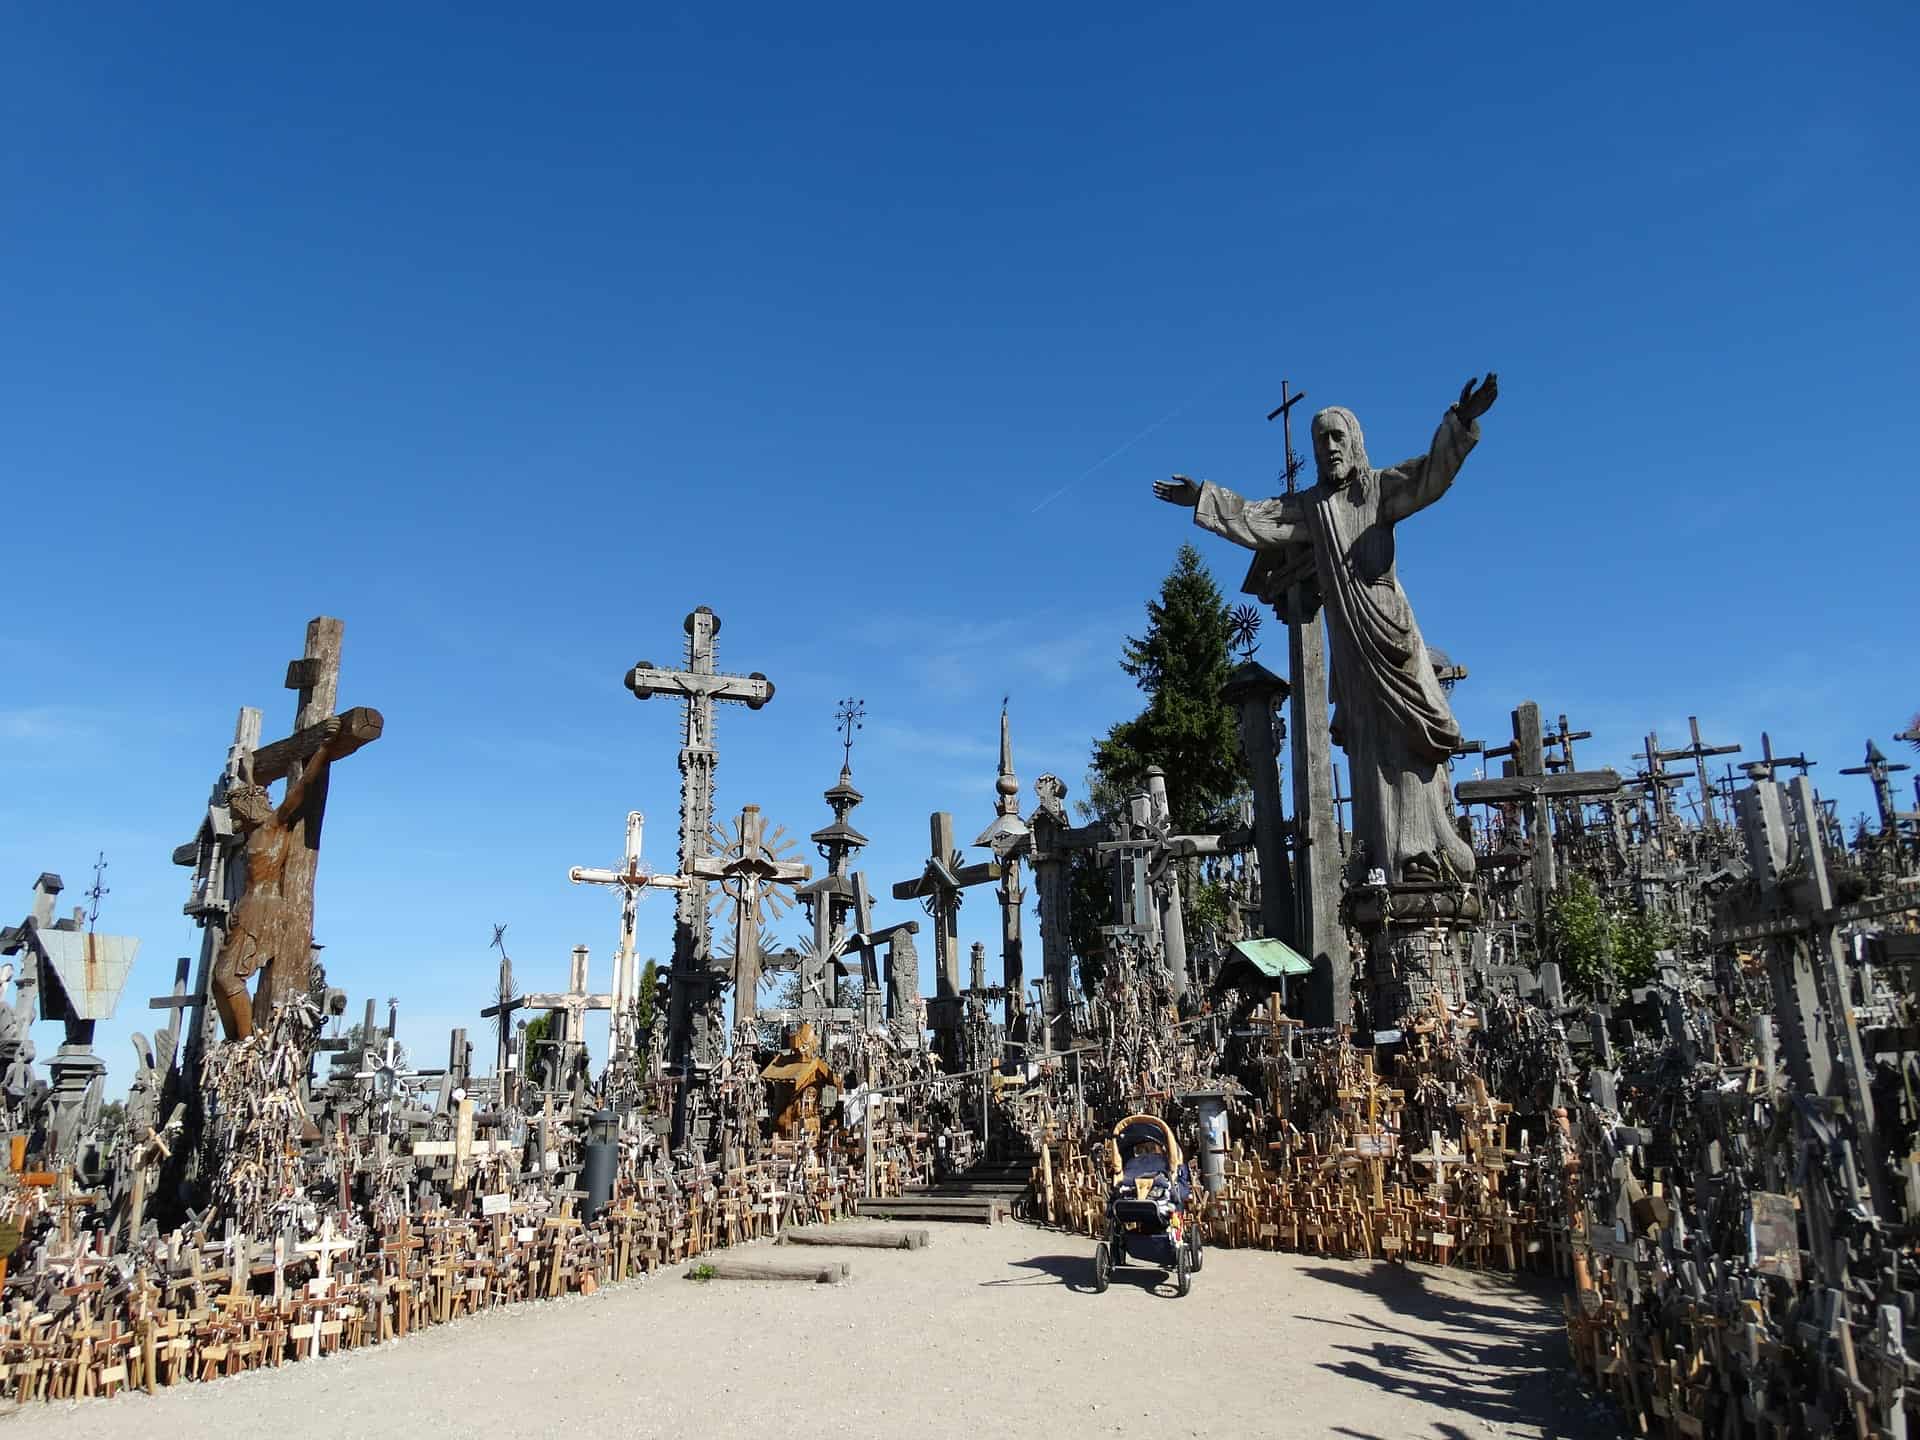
(914, 740)
(951, 659)
(41, 723)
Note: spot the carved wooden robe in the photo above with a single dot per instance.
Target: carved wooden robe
(1390, 714)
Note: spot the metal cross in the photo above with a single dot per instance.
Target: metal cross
(1284, 413)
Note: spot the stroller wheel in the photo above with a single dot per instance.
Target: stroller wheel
(1102, 1267)
(1199, 1256)
(1183, 1273)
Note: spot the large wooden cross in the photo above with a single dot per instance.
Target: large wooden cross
(571, 1004)
(634, 878)
(697, 687)
(1698, 752)
(1658, 781)
(315, 678)
(939, 888)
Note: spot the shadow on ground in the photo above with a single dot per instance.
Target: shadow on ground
(1473, 1355)
(1076, 1273)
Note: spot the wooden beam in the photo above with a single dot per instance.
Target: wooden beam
(1510, 789)
(361, 726)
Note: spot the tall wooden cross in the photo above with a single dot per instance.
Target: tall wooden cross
(1878, 768)
(1562, 740)
(1768, 763)
(697, 687)
(938, 887)
(1658, 781)
(634, 878)
(315, 677)
(1533, 787)
(1698, 753)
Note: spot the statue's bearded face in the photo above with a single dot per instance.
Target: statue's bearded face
(249, 805)
(1336, 449)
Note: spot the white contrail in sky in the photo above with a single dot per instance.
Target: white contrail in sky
(1120, 449)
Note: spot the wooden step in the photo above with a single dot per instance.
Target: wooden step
(949, 1209)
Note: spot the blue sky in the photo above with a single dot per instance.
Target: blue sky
(511, 339)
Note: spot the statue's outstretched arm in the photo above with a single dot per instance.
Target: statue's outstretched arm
(1256, 524)
(1415, 484)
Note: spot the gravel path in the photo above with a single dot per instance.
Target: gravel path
(986, 1333)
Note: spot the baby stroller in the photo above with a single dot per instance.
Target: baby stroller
(1147, 1216)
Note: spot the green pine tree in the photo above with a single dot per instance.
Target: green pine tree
(646, 1003)
(539, 1029)
(1180, 663)
(1186, 728)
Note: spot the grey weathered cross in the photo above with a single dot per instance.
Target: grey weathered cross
(1657, 780)
(1877, 768)
(938, 888)
(697, 687)
(633, 879)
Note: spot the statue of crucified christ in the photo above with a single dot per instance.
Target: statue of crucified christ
(269, 922)
(1390, 714)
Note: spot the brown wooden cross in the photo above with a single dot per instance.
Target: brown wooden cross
(316, 679)
(1698, 753)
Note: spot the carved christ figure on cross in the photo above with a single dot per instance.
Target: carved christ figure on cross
(1390, 714)
(269, 923)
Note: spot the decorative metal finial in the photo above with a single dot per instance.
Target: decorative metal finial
(851, 717)
(1243, 622)
(99, 889)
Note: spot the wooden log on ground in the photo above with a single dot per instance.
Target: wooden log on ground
(830, 1273)
(864, 1237)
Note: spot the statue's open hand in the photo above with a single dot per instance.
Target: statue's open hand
(1177, 490)
(1473, 403)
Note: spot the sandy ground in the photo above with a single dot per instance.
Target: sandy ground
(984, 1333)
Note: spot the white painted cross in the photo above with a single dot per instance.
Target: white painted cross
(323, 1247)
(634, 878)
(1437, 1159)
(572, 1003)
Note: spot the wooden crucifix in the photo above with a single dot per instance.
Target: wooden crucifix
(693, 981)
(270, 927)
(633, 879)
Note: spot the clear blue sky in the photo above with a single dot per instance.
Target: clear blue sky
(511, 339)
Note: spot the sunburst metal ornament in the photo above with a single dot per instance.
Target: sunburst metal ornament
(751, 860)
(1243, 623)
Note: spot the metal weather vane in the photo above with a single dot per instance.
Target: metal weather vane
(848, 717)
(98, 891)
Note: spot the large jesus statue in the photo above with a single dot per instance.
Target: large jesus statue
(1390, 714)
